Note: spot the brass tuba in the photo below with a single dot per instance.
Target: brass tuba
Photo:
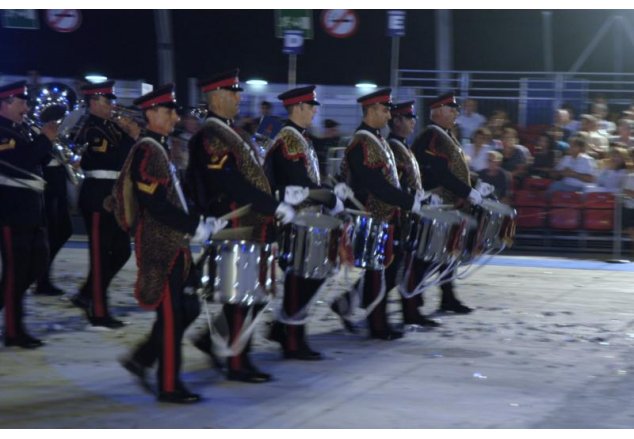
(54, 102)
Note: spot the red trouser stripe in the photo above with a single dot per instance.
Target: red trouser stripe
(9, 286)
(97, 296)
(236, 361)
(169, 357)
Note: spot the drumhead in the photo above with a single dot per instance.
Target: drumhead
(311, 219)
(497, 207)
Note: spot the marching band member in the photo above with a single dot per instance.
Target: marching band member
(224, 172)
(23, 238)
(149, 200)
(444, 168)
(370, 170)
(107, 146)
(402, 125)
(292, 162)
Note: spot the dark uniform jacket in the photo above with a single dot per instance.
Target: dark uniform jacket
(224, 173)
(292, 161)
(106, 147)
(370, 170)
(148, 202)
(22, 148)
(442, 163)
(406, 164)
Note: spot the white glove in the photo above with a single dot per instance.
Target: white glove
(202, 231)
(418, 200)
(485, 189)
(435, 200)
(338, 207)
(343, 191)
(285, 213)
(294, 195)
(216, 224)
(475, 197)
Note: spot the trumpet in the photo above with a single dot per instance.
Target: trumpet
(53, 103)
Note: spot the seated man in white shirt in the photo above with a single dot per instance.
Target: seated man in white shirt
(577, 169)
(469, 121)
(477, 151)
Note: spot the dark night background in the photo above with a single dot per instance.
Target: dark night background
(122, 44)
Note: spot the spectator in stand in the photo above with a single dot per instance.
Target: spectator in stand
(514, 157)
(546, 156)
(573, 126)
(561, 120)
(577, 170)
(557, 135)
(469, 121)
(613, 175)
(477, 151)
(496, 124)
(597, 143)
(623, 137)
(498, 177)
(605, 127)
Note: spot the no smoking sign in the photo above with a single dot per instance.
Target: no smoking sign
(63, 20)
(339, 23)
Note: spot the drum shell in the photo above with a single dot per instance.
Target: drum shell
(369, 238)
(239, 272)
(309, 245)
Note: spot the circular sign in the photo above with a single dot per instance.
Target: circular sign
(339, 23)
(63, 20)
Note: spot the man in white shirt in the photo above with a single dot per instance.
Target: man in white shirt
(469, 121)
(577, 170)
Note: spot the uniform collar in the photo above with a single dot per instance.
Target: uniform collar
(447, 130)
(290, 123)
(366, 127)
(211, 114)
(403, 140)
(98, 120)
(158, 137)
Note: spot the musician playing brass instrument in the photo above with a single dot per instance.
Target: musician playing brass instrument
(444, 168)
(22, 234)
(107, 145)
(291, 162)
(224, 173)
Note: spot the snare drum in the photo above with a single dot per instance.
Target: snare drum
(309, 245)
(238, 272)
(368, 238)
(441, 234)
(496, 225)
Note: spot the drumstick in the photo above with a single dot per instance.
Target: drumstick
(235, 234)
(320, 195)
(237, 213)
(357, 212)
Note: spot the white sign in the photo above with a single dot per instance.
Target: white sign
(395, 23)
(339, 23)
(63, 20)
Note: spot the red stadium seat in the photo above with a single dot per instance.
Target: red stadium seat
(566, 199)
(598, 214)
(564, 218)
(537, 184)
(530, 199)
(531, 217)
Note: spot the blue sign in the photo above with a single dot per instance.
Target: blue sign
(293, 42)
(395, 23)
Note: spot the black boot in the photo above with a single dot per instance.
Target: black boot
(449, 302)
(239, 367)
(411, 314)
(377, 318)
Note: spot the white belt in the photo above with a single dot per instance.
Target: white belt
(22, 183)
(106, 175)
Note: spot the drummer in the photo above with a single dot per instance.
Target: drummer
(292, 162)
(402, 126)
(370, 170)
(224, 173)
(444, 169)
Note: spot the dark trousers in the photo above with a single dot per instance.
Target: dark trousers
(24, 258)
(109, 251)
(59, 225)
(175, 313)
(236, 316)
(298, 292)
